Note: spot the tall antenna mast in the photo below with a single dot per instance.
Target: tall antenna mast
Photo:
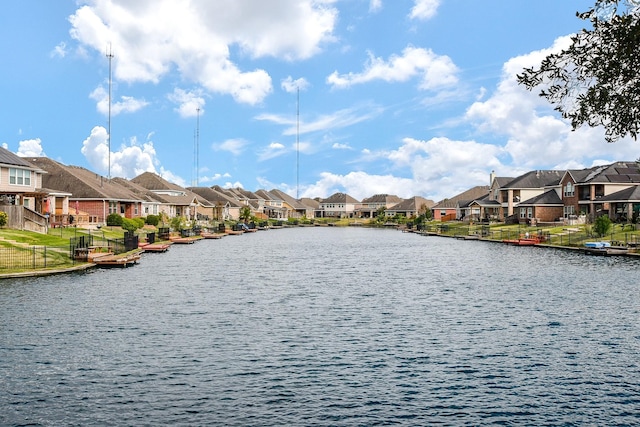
(197, 144)
(110, 57)
(298, 145)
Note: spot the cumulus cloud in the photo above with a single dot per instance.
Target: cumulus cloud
(375, 5)
(195, 38)
(434, 71)
(189, 102)
(128, 161)
(424, 9)
(536, 135)
(30, 148)
(60, 50)
(126, 104)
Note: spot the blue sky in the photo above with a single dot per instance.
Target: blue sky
(405, 97)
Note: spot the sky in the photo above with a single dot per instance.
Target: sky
(312, 97)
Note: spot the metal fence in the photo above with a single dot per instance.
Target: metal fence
(34, 258)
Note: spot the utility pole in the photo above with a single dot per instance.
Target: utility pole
(110, 57)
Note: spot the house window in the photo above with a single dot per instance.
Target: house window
(19, 176)
(568, 211)
(529, 212)
(569, 190)
(523, 212)
(113, 207)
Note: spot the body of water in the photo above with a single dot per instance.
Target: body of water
(327, 327)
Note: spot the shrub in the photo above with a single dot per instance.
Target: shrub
(602, 225)
(114, 220)
(152, 220)
(129, 224)
(4, 218)
(139, 222)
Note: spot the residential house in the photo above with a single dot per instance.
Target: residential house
(176, 200)
(584, 190)
(449, 209)
(546, 207)
(412, 207)
(225, 208)
(295, 208)
(370, 206)
(151, 205)
(273, 205)
(312, 205)
(526, 187)
(93, 197)
(21, 194)
(338, 205)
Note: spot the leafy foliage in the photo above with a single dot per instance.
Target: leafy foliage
(114, 220)
(245, 213)
(152, 220)
(178, 223)
(602, 225)
(4, 218)
(129, 224)
(596, 81)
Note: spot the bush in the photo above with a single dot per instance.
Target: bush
(129, 224)
(4, 218)
(602, 225)
(152, 220)
(139, 222)
(114, 220)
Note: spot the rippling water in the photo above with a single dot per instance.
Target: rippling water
(327, 327)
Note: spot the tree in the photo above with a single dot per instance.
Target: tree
(596, 81)
(4, 218)
(245, 213)
(601, 225)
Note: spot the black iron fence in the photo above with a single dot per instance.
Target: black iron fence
(34, 258)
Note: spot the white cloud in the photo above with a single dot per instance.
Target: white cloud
(341, 146)
(433, 70)
(30, 148)
(128, 161)
(537, 137)
(127, 104)
(188, 102)
(234, 146)
(275, 149)
(375, 6)
(195, 38)
(424, 9)
(337, 120)
(60, 50)
(290, 85)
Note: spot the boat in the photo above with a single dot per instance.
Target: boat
(604, 248)
(524, 241)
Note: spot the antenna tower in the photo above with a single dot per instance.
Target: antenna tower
(298, 145)
(110, 57)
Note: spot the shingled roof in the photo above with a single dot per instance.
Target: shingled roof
(618, 172)
(80, 182)
(535, 179)
(215, 198)
(7, 158)
(340, 198)
(475, 193)
(154, 182)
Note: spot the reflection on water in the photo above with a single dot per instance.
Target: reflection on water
(327, 326)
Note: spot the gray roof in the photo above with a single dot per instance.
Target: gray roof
(631, 194)
(291, 201)
(411, 204)
(340, 198)
(475, 193)
(549, 197)
(81, 182)
(383, 198)
(535, 179)
(10, 159)
(214, 197)
(154, 182)
(618, 172)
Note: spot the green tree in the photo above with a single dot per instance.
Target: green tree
(245, 213)
(595, 81)
(178, 223)
(152, 220)
(114, 220)
(129, 224)
(4, 218)
(601, 225)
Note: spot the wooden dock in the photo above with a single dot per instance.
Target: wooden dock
(110, 260)
(155, 247)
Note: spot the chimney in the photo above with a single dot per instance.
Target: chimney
(492, 177)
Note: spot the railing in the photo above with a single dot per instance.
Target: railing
(34, 258)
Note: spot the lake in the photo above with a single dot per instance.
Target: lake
(327, 326)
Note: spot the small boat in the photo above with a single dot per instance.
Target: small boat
(597, 245)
